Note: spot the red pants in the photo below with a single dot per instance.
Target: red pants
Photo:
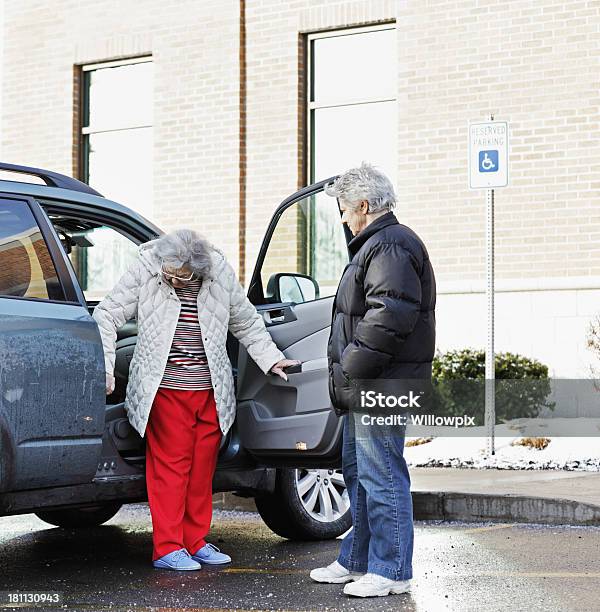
(182, 444)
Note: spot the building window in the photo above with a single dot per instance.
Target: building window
(352, 100)
(117, 131)
(351, 116)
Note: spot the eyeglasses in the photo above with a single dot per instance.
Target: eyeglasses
(168, 276)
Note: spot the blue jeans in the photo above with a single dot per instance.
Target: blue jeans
(381, 540)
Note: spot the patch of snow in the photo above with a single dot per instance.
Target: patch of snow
(564, 452)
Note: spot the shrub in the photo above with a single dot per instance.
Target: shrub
(537, 443)
(418, 441)
(522, 385)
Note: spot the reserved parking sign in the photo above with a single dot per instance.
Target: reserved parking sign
(488, 155)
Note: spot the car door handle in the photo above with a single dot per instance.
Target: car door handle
(277, 316)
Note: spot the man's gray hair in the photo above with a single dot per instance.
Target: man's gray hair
(184, 247)
(364, 183)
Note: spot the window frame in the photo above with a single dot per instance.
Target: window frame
(120, 223)
(311, 106)
(85, 130)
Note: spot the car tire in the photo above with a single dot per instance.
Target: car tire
(89, 516)
(298, 508)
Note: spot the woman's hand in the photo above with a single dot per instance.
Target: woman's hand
(284, 363)
(110, 383)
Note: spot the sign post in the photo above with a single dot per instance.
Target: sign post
(488, 169)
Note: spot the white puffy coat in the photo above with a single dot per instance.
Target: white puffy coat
(222, 305)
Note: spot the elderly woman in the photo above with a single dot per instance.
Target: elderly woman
(383, 328)
(180, 393)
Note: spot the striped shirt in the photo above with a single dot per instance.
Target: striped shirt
(187, 366)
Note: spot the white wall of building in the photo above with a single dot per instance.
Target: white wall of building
(549, 324)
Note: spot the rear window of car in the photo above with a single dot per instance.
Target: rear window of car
(26, 267)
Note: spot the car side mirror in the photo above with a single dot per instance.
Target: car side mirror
(288, 287)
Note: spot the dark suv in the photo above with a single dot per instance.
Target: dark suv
(67, 452)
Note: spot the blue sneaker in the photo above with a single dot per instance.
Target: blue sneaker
(211, 555)
(177, 560)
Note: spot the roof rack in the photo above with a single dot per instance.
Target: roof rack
(52, 179)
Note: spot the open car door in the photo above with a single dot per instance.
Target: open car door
(301, 260)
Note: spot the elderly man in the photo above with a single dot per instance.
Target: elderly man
(383, 328)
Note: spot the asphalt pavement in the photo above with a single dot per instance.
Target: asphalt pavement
(458, 566)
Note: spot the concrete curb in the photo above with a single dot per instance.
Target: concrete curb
(474, 507)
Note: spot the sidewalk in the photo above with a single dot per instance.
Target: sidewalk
(555, 497)
(529, 496)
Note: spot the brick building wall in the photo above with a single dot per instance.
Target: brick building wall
(531, 63)
(195, 51)
(535, 65)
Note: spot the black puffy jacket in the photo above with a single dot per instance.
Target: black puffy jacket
(383, 323)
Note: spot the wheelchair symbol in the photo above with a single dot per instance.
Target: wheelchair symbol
(488, 161)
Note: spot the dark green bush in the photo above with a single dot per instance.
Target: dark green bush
(522, 385)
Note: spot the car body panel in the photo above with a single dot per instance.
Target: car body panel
(83, 202)
(52, 403)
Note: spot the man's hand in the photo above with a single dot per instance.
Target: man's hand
(110, 383)
(284, 363)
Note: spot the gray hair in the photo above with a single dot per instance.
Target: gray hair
(184, 247)
(364, 183)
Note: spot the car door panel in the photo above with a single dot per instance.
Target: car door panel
(294, 418)
(51, 372)
(290, 423)
(51, 381)
(315, 316)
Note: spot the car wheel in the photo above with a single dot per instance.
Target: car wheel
(307, 504)
(89, 516)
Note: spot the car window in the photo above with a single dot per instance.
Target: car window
(100, 255)
(307, 252)
(26, 267)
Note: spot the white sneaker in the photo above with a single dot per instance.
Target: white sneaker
(333, 574)
(373, 585)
